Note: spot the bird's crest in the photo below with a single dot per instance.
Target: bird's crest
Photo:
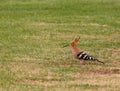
(73, 43)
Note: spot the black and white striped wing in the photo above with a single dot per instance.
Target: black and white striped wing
(85, 56)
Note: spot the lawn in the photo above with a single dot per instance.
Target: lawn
(32, 33)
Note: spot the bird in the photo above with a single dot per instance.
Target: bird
(79, 54)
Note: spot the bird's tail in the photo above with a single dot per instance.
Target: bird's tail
(100, 61)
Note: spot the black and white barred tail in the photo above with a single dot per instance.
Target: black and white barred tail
(85, 56)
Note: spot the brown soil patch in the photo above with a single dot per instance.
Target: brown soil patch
(2, 51)
(108, 71)
(98, 72)
(114, 50)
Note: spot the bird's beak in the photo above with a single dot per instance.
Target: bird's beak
(65, 45)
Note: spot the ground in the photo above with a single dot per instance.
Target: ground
(33, 32)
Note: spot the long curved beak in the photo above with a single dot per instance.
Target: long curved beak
(65, 45)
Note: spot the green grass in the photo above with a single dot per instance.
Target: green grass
(32, 33)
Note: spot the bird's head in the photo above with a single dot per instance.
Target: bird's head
(73, 43)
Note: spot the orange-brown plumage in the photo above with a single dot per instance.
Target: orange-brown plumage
(77, 53)
(75, 49)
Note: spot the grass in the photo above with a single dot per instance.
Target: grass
(32, 33)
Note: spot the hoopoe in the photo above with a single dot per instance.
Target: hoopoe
(77, 53)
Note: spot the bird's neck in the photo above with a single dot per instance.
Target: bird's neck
(75, 50)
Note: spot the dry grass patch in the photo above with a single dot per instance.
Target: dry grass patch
(68, 24)
(36, 82)
(93, 79)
